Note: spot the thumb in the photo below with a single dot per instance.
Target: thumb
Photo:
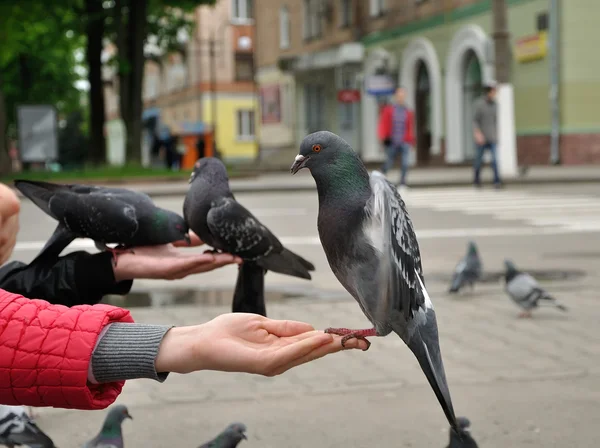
(285, 328)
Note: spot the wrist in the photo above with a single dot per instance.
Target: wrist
(178, 351)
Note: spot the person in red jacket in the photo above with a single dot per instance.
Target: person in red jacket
(396, 133)
(79, 357)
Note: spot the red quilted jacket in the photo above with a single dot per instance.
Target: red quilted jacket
(45, 351)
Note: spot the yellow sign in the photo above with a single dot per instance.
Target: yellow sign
(532, 48)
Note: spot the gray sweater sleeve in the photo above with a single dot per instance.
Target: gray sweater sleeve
(126, 351)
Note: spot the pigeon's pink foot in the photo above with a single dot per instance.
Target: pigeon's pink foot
(526, 315)
(353, 334)
(118, 251)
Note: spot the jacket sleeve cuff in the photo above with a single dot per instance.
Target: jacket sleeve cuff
(96, 273)
(127, 351)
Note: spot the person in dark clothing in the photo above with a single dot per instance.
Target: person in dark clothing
(201, 147)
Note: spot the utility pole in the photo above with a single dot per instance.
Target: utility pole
(507, 144)
(213, 87)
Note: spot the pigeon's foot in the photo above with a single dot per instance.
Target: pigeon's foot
(353, 334)
(526, 315)
(118, 251)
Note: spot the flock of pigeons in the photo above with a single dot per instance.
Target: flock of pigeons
(364, 227)
(521, 287)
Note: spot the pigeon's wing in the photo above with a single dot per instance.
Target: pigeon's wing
(57, 242)
(20, 430)
(461, 266)
(239, 232)
(521, 286)
(101, 218)
(401, 259)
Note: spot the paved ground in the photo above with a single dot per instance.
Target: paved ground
(521, 382)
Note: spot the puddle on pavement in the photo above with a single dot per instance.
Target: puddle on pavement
(542, 275)
(208, 297)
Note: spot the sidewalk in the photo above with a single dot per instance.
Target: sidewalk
(417, 178)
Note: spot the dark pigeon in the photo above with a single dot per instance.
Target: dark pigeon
(17, 429)
(526, 292)
(111, 434)
(467, 271)
(212, 212)
(229, 438)
(105, 215)
(371, 246)
(463, 438)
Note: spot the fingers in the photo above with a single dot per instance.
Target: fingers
(184, 266)
(9, 203)
(283, 328)
(284, 357)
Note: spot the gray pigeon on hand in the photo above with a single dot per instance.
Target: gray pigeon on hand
(526, 292)
(463, 438)
(17, 429)
(111, 434)
(468, 270)
(229, 438)
(105, 215)
(220, 221)
(371, 246)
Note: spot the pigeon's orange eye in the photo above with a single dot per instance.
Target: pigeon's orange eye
(316, 148)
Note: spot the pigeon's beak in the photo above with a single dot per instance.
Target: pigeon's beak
(244, 436)
(299, 163)
(128, 415)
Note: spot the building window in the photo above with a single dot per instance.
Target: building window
(314, 97)
(312, 19)
(346, 15)
(242, 10)
(284, 28)
(376, 8)
(245, 124)
(244, 67)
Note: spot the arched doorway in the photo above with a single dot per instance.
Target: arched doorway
(423, 113)
(472, 89)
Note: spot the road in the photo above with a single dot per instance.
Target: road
(521, 382)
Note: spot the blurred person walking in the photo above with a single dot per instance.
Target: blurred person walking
(485, 132)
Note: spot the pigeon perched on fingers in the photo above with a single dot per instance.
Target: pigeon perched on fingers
(17, 429)
(229, 438)
(526, 292)
(105, 215)
(462, 439)
(211, 211)
(467, 271)
(111, 434)
(371, 246)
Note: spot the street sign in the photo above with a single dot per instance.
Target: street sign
(38, 139)
(348, 96)
(379, 85)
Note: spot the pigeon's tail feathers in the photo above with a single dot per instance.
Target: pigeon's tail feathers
(424, 344)
(561, 307)
(287, 263)
(249, 294)
(39, 193)
(552, 301)
(57, 242)
(457, 282)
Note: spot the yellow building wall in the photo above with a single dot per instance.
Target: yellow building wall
(227, 142)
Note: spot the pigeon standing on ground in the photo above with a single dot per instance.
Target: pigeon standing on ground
(212, 212)
(525, 291)
(464, 440)
(16, 429)
(229, 438)
(467, 271)
(105, 215)
(111, 434)
(371, 246)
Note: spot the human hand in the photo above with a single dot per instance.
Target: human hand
(9, 222)
(167, 262)
(250, 343)
(479, 138)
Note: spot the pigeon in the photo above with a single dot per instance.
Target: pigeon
(467, 271)
(462, 439)
(105, 215)
(525, 291)
(371, 246)
(229, 438)
(111, 435)
(17, 429)
(212, 212)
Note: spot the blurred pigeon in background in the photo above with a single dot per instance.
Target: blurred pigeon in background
(464, 440)
(16, 429)
(229, 438)
(111, 435)
(468, 270)
(105, 215)
(220, 221)
(371, 246)
(526, 292)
